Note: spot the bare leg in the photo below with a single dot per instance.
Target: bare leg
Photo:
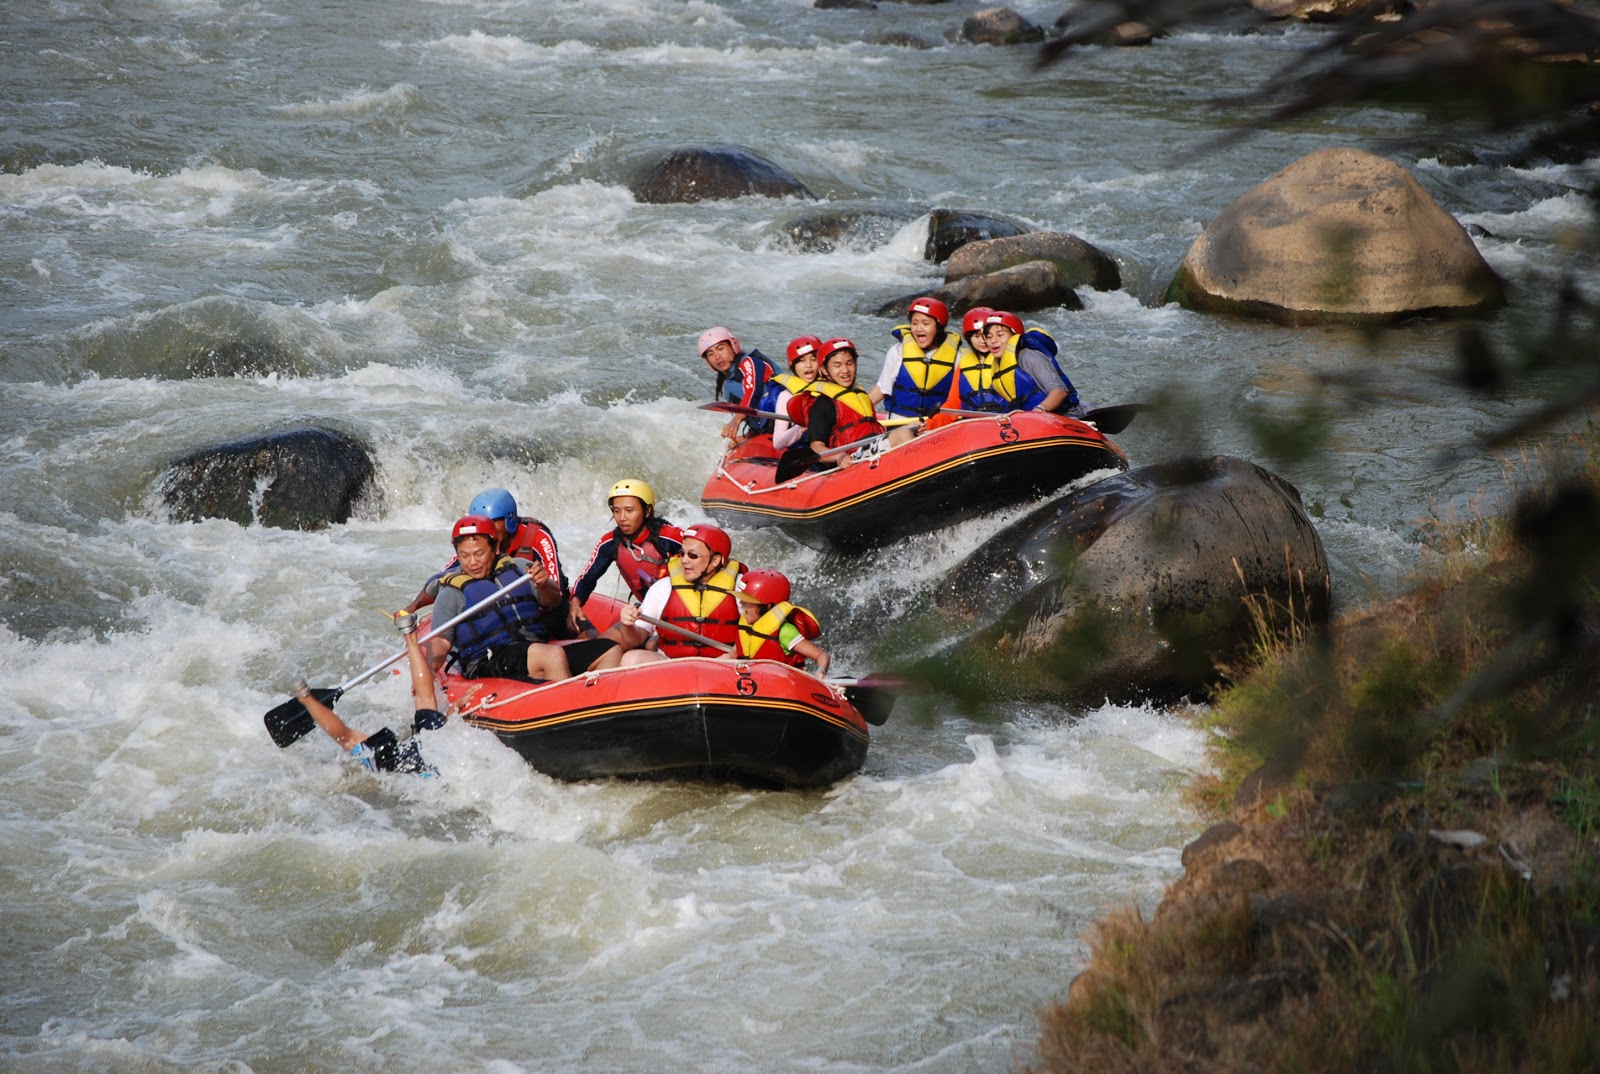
(547, 662)
(640, 656)
(422, 685)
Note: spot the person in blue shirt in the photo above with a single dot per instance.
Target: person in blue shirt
(741, 379)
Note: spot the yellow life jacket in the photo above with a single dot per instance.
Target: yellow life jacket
(759, 640)
(924, 378)
(706, 607)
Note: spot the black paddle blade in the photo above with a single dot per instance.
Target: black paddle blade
(290, 722)
(873, 698)
(793, 462)
(1111, 420)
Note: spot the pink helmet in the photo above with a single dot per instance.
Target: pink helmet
(712, 336)
(714, 538)
(763, 587)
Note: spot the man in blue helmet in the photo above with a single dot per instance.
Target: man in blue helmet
(522, 538)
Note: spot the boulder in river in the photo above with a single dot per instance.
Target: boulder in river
(1137, 586)
(1034, 285)
(703, 173)
(1077, 262)
(951, 229)
(1000, 26)
(303, 478)
(1340, 235)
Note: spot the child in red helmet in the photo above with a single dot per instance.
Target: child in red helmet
(771, 628)
(805, 364)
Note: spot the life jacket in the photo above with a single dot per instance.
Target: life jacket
(514, 617)
(705, 607)
(997, 383)
(1037, 339)
(732, 389)
(923, 379)
(856, 419)
(780, 383)
(643, 563)
(759, 640)
(534, 541)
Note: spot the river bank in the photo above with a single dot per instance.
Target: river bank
(1404, 868)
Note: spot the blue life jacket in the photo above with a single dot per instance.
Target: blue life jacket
(514, 617)
(923, 379)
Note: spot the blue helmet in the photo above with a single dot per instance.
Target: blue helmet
(495, 504)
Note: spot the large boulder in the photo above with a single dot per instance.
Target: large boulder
(1035, 285)
(1339, 235)
(299, 479)
(1138, 586)
(951, 229)
(1000, 26)
(703, 173)
(1077, 263)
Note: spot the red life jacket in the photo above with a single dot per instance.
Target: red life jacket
(706, 607)
(759, 640)
(856, 419)
(644, 563)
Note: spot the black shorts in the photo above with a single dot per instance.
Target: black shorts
(581, 655)
(508, 661)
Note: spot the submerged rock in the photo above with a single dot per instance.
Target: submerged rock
(299, 479)
(827, 230)
(1137, 586)
(1340, 235)
(1000, 26)
(704, 173)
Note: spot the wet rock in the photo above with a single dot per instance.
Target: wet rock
(1136, 586)
(303, 479)
(951, 229)
(1035, 285)
(902, 39)
(1077, 263)
(1122, 34)
(1209, 844)
(703, 173)
(1326, 10)
(241, 358)
(845, 5)
(829, 229)
(1000, 26)
(1340, 235)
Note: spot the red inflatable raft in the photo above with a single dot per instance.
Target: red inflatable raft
(755, 722)
(967, 468)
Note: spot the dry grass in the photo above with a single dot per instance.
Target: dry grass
(1345, 924)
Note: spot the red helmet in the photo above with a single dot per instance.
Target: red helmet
(714, 538)
(1010, 320)
(763, 587)
(801, 346)
(973, 321)
(932, 307)
(838, 343)
(472, 526)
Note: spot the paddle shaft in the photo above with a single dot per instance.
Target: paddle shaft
(436, 631)
(686, 632)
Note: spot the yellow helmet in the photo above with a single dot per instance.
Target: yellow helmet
(632, 486)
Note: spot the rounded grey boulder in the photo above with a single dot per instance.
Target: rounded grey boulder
(705, 173)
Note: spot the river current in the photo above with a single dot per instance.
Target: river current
(425, 205)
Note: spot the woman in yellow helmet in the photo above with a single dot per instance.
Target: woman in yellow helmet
(640, 544)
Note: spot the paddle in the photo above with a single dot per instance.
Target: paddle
(798, 459)
(873, 697)
(686, 632)
(1108, 419)
(289, 722)
(743, 411)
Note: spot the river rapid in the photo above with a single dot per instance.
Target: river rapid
(424, 205)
